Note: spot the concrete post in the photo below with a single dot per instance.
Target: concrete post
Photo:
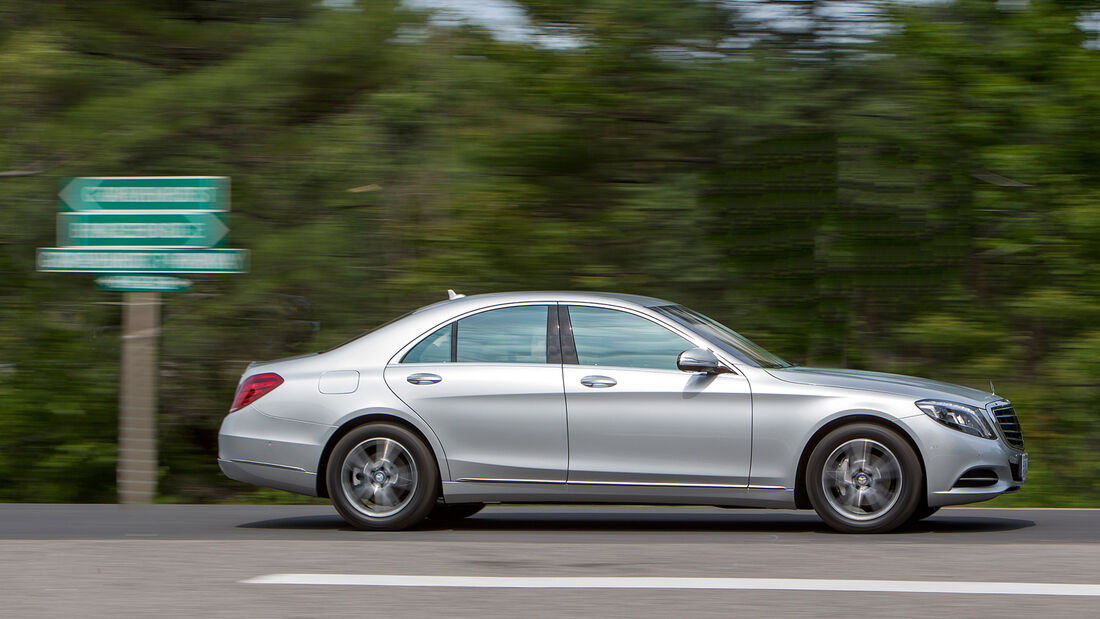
(137, 418)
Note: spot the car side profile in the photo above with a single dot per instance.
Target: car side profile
(606, 398)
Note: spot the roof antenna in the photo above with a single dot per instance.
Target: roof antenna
(991, 390)
(452, 295)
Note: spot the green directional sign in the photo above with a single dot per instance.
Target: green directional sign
(196, 229)
(132, 260)
(124, 193)
(143, 283)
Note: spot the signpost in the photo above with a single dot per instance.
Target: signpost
(139, 228)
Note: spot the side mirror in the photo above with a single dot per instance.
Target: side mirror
(700, 360)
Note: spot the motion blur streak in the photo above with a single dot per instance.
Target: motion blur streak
(911, 187)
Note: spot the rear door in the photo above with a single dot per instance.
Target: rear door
(490, 386)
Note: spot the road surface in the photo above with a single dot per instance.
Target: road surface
(546, 561)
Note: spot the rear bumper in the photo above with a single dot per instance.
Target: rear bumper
(270, 475)
(268, 451)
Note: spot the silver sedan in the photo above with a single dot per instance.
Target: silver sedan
(606, 398)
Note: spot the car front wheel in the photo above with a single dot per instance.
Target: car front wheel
(864, 478)
(454, 511)
(382, 476)
(922, 512)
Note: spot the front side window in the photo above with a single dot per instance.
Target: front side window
(609, 337)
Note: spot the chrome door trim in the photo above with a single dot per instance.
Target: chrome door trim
(655, 483)
(509, 481)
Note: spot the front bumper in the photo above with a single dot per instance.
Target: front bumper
(960, 468)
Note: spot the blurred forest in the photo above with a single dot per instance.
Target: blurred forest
(910, 187)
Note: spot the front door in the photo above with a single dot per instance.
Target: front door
(636, 419)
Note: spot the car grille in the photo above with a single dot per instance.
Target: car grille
(1009, 425)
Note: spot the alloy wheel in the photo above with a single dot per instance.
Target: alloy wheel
(862, 479)
(378, 477)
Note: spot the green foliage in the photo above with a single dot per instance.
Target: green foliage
(925, 202)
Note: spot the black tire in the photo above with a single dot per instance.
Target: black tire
(922, 512)
(874, 479)
(454, 511)
(398, 499)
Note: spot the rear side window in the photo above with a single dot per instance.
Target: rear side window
(612, 338)
(506, 335)
(436, 348)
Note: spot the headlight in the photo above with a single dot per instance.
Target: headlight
(957, 416)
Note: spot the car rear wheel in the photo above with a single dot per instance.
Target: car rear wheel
(454, 511)
(382, 476)
(864, 478)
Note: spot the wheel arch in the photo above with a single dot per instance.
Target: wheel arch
(802, 497)
(376, 417)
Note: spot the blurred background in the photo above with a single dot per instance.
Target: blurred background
(910, 187)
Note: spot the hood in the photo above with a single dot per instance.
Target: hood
(917, 388)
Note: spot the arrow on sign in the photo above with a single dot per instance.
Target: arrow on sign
(70, 194)
(215, 230)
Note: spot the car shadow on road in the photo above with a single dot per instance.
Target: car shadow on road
(762, 523)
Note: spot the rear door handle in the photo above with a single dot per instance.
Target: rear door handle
(598, 382)
(424, 379)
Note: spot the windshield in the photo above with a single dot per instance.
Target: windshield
(728, 339)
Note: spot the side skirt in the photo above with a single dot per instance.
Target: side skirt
(508, 491)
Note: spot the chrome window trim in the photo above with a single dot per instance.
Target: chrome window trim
(650, 315)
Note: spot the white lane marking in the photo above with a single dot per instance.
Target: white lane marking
(602, 582)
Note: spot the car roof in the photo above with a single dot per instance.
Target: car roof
(493, 298)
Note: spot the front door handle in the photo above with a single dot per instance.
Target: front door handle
(598, 382)
(424, 379)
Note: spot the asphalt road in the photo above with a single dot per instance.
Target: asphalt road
(555, 561)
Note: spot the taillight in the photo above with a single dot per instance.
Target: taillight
(254, 388)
